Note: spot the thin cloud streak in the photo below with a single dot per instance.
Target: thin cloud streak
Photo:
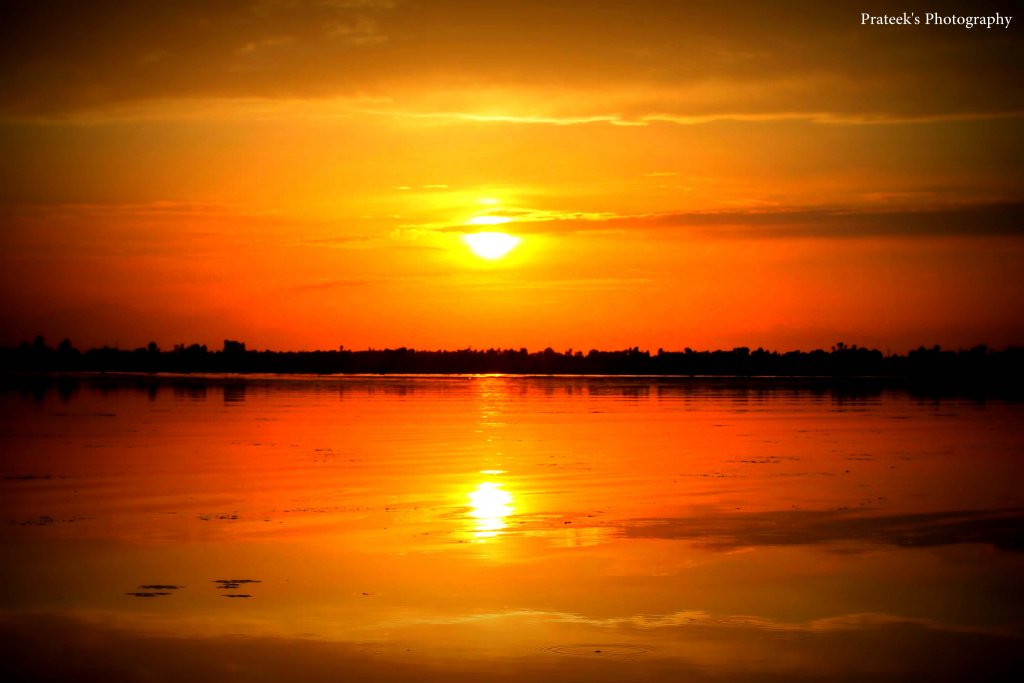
(1003, 529)
(995, 219)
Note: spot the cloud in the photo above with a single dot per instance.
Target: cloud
(565, 63)
(992, 219)
(839, 624)
(111, 645)
(67, 56)
(997, 219)
(1003, 529)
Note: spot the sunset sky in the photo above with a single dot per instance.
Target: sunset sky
(300, 175)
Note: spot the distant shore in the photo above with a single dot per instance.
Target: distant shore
(978, 365)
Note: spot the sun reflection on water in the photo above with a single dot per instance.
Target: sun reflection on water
(489, 505)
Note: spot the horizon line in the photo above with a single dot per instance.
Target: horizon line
(237, 346)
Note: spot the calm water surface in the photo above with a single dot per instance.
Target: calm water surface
(446, 529)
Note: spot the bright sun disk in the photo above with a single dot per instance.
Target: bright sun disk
(490, 245)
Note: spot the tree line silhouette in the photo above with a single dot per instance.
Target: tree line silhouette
(936, 364)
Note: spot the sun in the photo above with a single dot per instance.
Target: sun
(489, 501)
(489, 505)
(490, 245)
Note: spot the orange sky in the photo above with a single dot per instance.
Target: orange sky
(299, 174)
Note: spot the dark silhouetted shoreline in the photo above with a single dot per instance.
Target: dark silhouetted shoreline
(978, 365)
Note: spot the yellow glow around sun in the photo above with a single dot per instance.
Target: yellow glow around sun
(490, 245)
(488, 220)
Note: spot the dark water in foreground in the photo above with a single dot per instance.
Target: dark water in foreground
(449, 529)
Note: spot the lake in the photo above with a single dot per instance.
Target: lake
(539, 528)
